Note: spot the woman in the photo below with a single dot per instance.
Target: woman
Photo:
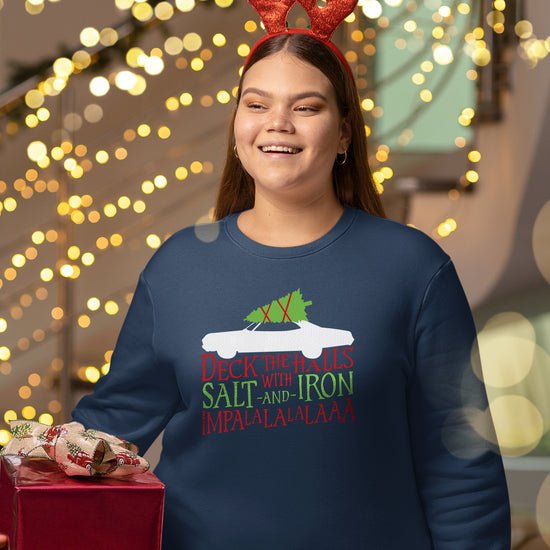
(332, 421)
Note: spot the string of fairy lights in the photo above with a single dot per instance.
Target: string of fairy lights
(192, 53)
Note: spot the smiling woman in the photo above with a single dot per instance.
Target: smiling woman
(301, 92)
(288, 131)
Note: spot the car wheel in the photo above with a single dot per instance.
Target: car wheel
(312, 352)
(227, 353)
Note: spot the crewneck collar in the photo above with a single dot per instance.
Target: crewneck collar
(258, 249)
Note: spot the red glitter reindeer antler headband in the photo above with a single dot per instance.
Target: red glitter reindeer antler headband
(324, 20)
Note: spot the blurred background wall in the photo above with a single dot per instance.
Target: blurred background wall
(113, 121)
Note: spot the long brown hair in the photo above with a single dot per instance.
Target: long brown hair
(353, 183)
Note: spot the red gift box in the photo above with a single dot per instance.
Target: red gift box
(41, 508)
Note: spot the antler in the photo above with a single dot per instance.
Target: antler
(324, 21)
(273, 13)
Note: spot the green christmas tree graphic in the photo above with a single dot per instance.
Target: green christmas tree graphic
(89, 434)
(74, 449)
(22, 430)
(289, 308)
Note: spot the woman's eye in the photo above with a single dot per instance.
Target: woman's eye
(255, 106)
(307, 109)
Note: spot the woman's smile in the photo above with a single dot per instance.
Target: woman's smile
(286, 149)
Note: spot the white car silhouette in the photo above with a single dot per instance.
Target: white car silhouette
(308, 338)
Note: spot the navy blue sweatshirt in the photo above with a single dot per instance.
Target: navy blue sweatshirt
(312, 397)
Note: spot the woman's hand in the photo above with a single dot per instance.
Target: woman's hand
(3, 541)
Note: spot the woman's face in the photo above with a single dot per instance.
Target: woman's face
(288, 129)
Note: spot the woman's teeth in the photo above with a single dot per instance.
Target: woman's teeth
(280, 149)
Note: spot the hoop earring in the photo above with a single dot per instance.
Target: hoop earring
(345, 158)
(235, 152)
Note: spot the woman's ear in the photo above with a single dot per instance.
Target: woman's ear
(345, 136)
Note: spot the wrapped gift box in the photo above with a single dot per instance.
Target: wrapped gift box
(41, 508)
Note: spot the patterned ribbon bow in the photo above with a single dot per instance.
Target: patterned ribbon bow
(78, 452)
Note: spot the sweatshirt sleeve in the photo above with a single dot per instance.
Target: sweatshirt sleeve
(460, 476)
(139, 395)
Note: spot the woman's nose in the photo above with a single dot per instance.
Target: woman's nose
(280, 121)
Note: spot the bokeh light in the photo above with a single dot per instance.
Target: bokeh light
(516, 372)
(99, 86)
(507, 347)
(5, 436)
(89, 37)
(540, 240)
(518, 424)
(372, 9)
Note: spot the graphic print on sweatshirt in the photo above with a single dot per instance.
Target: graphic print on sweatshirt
(255, 377)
